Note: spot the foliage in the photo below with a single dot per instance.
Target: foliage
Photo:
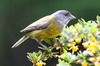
(78, 44)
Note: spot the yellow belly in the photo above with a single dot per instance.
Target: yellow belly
(52, 31)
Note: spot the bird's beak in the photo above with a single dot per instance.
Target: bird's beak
(72, 17)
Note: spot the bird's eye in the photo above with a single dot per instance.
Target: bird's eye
(66, 14)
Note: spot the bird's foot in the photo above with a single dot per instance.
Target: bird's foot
(43, 47)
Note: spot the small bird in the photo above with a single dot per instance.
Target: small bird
(47, 27)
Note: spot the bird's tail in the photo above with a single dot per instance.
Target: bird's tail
(20, 41)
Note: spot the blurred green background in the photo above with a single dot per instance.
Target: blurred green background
(17, 14)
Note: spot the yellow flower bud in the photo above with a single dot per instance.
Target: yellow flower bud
(33, 61)
(78, 40)
(93, 39)
(75, 48)
(96, 42)
(40, 63)
(58, 48)
(97, 64)
(73, 43)
(90, 34)
(92, 59)
(85, 45)
(98, 58)
(69, 45)
(91, 49)
(85, 63)
(92, 44)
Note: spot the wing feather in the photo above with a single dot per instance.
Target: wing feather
(38, 25)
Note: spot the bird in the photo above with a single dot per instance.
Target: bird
(49, 26)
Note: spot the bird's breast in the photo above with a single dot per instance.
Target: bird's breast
(53, 30)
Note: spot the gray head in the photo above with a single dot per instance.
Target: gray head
(65, 13)
(63, 17)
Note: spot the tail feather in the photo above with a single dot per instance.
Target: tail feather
(20, 41)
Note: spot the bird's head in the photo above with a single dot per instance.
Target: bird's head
(64, 13)
(63, 16)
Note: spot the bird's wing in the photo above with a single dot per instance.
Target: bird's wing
(38, 25)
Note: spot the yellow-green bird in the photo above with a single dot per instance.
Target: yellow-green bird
(47, 27)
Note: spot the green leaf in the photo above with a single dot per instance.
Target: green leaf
(47, 41)
(94, 28)
(51, 41)
(83, 20)
(89, 23)
(64, 41)
(98, 19)
(61, 63)
(39, 57)
(34, 56)
(55, 41)
(82, 35)
(67, 58)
